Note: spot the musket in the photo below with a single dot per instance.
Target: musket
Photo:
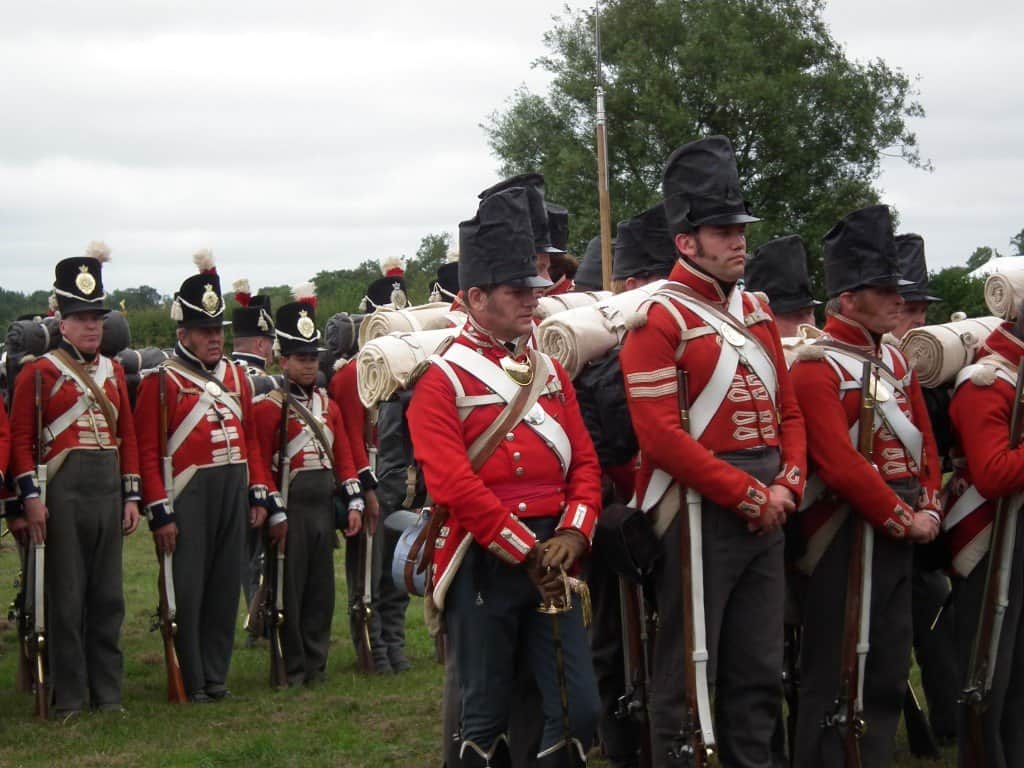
(36, 568)
(362, 608)
(848, 713)
(275, 554)
(995, 599)
(167, 610)
(698, 746)
(632, 705)
(17, 613)
(603, 195)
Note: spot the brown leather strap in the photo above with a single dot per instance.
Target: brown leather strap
(485, 445)
(98, 395)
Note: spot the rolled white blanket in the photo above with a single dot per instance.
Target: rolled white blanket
(385, 364)
(1004, 292)
(553, 305)
(938, 352)
(577, 336)
(425, 317)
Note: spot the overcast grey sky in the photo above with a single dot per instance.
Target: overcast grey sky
(290, 138)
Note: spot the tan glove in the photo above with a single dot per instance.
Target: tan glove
(548, 581)
(563, 549)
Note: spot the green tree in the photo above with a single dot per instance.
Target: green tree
(1017, 242)
(981, 256)
(959, 293)
(809, 125)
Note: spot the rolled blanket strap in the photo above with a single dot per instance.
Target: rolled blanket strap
(385, 364)
(577, 336)
(1004, 292)
(938, 352)
(425, 317)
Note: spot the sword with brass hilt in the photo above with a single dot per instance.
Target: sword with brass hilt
(994, 602)
(36, 575)
(167, 609)
(555, 608)
(698, 744)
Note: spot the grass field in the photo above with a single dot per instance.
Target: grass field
(351, 720)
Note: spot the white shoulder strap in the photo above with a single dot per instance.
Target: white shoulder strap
(492, 376)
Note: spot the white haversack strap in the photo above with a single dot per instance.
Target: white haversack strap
(889, 411)
(964, 506)
(491, 375)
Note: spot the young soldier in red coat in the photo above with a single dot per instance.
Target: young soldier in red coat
(320, 464)
(92, 492)
(528, 510)
(387, 291)
(987, 469)
(219, 481)
(744, 456)
(897, 493)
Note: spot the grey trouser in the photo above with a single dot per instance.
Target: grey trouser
(935, 649)
(84, 589)
(1003, 718)
(392, 602)
(353, 578)
(888, 662)
(491, 611)
(744, 592)
(525, 722)
(211, 513)
(308, 576)
(252, 563)
(618, 736)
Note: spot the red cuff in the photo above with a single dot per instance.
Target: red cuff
(513, 541)
(898, 523)
(793, 478)
(579, 517)
(754, 500)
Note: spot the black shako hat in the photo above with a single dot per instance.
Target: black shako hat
(590, 276)
(254, 319)
(198, 302)
(448, 278)
(860, 252)
(385, 291)
(496, 246)
(701, 186)
(913, 268)
(779, 269)
(558, 225)
(78, 281)
(534, 184)
(296, 329)
(643, 246)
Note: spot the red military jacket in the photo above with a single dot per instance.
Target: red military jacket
(5, 443)
(981, 411)
(523, 478)
(830, 397)
(203, 430)
(307, 453)
(747, 418)
(72, 420)
(344, 390)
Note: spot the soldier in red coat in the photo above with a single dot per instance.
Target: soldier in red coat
(742, 461)
(504, 452)
(319, 468)
(219, 482)
(897, 493)
(987, 469)
(90, 496)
